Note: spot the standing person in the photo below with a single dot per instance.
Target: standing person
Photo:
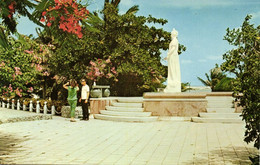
(72, 88)
(84, 99)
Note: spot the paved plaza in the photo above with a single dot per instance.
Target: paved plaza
(59, 141)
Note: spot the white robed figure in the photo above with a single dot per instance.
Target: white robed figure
(174, 73)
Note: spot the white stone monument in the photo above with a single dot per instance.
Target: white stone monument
(174, 73)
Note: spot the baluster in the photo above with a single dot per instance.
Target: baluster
(37, 107)
(24, 106)
(12, 104)
(18, 105)
(8, 104)
(31, 106)
(3, 105)
(45, 109)
(53, 110)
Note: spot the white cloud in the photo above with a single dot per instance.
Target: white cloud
(198, 4)
(214, 57)
(202, 60)
(127, 3)
(256, 15)
(186, 61)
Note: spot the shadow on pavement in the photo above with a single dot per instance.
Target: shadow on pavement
(228, 155)
(9, 144)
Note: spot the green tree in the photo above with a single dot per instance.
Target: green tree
(213, 78)
(243, 61)
(10, 10)
(133, 47)
(135, 50)
(19, 68)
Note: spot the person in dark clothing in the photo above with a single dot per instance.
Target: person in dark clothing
(84, 99)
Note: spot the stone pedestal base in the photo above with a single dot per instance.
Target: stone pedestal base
(175, 104)
(97, 104)
(65, 111)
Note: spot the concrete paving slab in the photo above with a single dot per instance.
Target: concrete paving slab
(106, 142)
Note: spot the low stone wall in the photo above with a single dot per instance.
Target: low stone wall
(175, 104)
(65, 111)
(11, 116)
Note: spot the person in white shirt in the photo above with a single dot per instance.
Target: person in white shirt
(84, 99)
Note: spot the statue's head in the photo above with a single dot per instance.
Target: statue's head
(174, 33)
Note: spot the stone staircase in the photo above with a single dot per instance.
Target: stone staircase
(219, 110)
(127, 110)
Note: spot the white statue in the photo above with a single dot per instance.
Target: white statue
(174, 73)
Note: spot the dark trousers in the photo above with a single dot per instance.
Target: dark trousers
(85, 109)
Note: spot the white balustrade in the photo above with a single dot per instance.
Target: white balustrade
(24, 107)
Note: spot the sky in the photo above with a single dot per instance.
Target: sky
(201, 25)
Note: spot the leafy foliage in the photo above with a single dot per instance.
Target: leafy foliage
(133, 47)
(18, 74)
(225, 84)
(243, 61)
(131, 42)
(213, 78)
(135, 50)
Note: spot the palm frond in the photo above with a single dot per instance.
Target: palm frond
(205, 82)
(134, 9)
(3, 40)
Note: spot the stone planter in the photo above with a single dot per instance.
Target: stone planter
(96, 93)
(106, 93)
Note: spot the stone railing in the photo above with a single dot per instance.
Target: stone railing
(10, 104)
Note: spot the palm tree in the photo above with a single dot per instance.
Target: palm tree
(213, 78)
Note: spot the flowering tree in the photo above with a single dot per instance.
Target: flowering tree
(18, 75)
(66, 15)
(21, 67)
(58, 15)
(8, 8)
(101, 68)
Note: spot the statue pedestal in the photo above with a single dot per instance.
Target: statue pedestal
(175, 104)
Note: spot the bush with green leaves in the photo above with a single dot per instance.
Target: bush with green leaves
(244, 61)
(19, 75)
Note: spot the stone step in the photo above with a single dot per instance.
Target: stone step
(133, 114)
(216, 120)
(220, 97)
(128, 105)
(220, 110)
(130, 100)
(220, 115)
(125, 118)
(124, 109)
(220, 105)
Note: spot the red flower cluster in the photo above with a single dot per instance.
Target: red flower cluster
(68, 15)
(11, 8)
